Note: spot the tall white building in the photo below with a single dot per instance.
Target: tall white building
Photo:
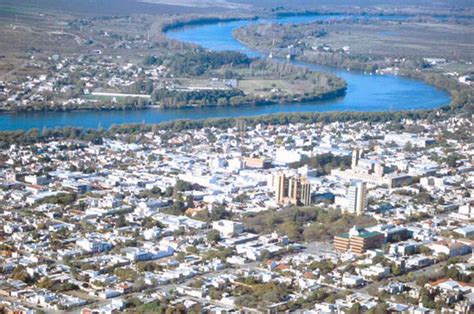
(356, 198)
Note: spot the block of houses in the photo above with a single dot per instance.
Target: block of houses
(450, 248)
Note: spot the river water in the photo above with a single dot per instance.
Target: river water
(365, 92)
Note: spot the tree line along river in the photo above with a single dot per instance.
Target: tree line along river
(367, 93)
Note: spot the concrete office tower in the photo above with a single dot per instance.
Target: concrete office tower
(281, 187)
(294, 190)
(299, 191)
(356, 156)
(379, 169)
(357, 198)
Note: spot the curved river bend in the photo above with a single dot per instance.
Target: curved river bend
(364, 93)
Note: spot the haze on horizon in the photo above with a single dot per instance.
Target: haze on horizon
(100, 7)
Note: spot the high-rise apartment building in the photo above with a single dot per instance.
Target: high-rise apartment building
(281, 184)
(356, 156)
(292, 190)
(357, 198)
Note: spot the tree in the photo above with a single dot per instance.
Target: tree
(178, 309)
(410, 277)
(314, 232)
(424, 197)
(181, 186)
(443, 257)
(395, 269)
(126, 274)
(356, 308)
(422, 280)
(265, 255)
(331, 298)
(452, 160)
(425, 250)
(381, 308)
(178, 208)
(213, 236)
(181, 256)
(324, 266)
(46, 283)
(426, 298)
(121, 221)
(19, 273)
(151, 307)
(151, 60)
(453, 273)
(67, 286)
(218, 212)
(192, 249)
(290, 229)
(408, 147)
(215, 294)
(189, 201)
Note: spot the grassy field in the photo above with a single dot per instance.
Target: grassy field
(264, 87)
(106, 7)
(256, 86)
(402, 39)
(358, 3)
(380, 39)
(225, 4)
(31, 35)
(129, 28)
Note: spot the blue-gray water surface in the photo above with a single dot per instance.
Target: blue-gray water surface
(365, 92)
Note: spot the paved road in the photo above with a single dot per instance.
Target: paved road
(427, 271)
(169, 287)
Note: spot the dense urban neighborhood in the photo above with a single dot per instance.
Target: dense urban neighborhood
(322, 217)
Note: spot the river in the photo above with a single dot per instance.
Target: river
(365, 92)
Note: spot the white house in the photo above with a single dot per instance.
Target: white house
(228, 228)
(353, 281)
(93, 245)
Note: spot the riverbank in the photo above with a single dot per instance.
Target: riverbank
(83, 108)
(364, 93)
(181, 22)
(34, 135)
(258, 37)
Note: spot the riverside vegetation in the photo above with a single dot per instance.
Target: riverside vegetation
(119, 61)
(255, 81)
(310, 41)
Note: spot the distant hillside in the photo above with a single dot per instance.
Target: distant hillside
(99, 7)
(126, 7)
(313, 3)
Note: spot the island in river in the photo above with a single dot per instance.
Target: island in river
(179, 76)
(364, 92)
